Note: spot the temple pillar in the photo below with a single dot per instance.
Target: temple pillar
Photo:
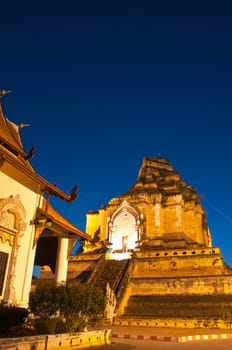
(61, 261)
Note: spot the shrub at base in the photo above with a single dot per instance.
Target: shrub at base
(11, 319)
(65, 308)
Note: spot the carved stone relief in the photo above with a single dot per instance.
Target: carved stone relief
(12, 214)
(12, 227)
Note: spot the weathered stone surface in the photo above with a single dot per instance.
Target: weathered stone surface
(160, 205)
(160, 224)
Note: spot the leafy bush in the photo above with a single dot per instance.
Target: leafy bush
(12, 318)
(65, 308)
(44, 325)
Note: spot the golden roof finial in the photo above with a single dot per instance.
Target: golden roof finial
(22, 125)
(4, 92)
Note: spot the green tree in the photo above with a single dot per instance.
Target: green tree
(65, 308)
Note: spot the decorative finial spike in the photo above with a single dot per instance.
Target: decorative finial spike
(30, 154)
(73, 195)
(22, 125)
(4, 92)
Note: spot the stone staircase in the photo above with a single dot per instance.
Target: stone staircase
(108, 271)
(179, 306)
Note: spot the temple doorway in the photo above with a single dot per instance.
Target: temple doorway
(124, 244)
(124, 229)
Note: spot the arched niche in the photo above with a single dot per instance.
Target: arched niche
(124, 228)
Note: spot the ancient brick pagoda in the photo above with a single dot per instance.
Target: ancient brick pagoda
(152, 252)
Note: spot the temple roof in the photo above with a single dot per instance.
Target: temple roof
(52, 215)
(12, 151)
(9, 134)
(10, 138)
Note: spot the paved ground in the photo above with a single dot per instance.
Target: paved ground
(169, 334)
(122, 344)
(147, 338)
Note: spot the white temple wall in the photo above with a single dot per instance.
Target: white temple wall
(21, 203)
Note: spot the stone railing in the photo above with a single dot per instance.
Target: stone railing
(57, 341)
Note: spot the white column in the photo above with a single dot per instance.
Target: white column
(62, 261)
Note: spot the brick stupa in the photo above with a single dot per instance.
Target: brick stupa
(152, 253)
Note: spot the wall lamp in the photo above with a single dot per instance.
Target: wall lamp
(44, 222)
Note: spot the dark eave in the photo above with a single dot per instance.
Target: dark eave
(52, 216)
(46, 186)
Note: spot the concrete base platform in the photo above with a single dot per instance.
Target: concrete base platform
(180, 335)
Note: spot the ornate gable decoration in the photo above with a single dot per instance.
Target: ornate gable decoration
(123, 208)
(12, 218)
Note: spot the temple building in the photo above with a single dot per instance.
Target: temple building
(152, 253)
(32, 232)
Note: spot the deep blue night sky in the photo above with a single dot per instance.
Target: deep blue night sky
(105, 83)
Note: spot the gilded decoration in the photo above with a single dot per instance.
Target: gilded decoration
(12, 226)
(12, 218)
(39, 227)
(7, 235)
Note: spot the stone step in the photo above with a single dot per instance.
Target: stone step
(109, 271)
(180, 306)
